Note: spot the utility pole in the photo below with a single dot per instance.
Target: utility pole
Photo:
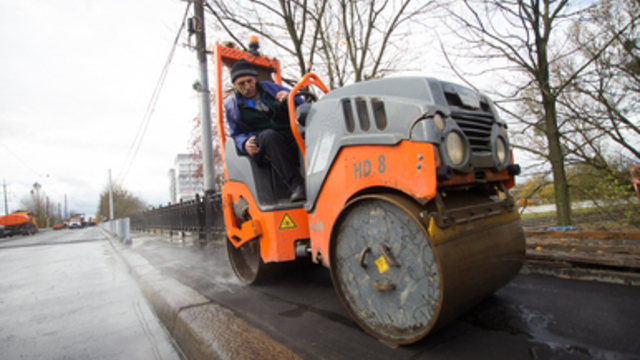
(66, 207)
(197, 26)
(6, 204)
(110, 198)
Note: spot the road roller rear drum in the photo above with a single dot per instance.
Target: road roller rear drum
(246, 262)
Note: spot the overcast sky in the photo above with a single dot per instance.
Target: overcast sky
(76, 77)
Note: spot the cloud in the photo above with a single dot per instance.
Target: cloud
(77, 78)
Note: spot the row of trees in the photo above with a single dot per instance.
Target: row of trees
(124, 203)
(37, 202)
(565, 73)
(586, 183)
(46, 211)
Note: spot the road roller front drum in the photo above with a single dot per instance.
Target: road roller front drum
(397, 283)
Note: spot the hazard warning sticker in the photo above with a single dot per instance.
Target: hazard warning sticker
(287, 223)
(382, 264)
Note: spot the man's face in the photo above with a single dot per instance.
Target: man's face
(246, 85)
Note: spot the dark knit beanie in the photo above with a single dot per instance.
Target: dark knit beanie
(241, 68)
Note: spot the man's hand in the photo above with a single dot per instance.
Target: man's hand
(251, 146)
(282, 96)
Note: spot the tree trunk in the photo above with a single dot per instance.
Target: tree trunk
(556, 157)
(549, 100)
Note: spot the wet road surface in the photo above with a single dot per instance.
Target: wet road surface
(534, 317)
(67, 295)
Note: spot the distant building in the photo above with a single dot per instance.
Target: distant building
(183, 184)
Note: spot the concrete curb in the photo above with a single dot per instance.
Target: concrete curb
(201, 328)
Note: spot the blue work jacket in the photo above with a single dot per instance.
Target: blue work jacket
(240, 131)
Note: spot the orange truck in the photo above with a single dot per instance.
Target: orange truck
(407, 198)
(19, 222)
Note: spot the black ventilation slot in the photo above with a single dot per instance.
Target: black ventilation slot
(379, 113)
(348, 115)
(363, 114)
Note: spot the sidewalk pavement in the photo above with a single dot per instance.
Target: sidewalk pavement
(202, 329)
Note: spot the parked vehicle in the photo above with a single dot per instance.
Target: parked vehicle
(76, 221)
(59, 225)
(18, 222)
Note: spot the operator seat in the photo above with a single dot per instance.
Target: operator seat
(301, 118)
(265, 184)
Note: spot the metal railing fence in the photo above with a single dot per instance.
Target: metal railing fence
(202, 216)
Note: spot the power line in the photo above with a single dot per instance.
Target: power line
(144, 124)
(19, 159)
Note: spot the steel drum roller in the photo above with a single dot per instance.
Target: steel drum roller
(400, 276)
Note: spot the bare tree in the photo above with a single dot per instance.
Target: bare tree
(527, 42)
(344, 40)
(36, 204)
(195, 149)
(604, 103)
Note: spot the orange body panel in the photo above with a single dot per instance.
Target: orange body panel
(408, 167)
(238, 234)
(279, 229)
(16, 219)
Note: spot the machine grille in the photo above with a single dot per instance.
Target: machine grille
(477, 127)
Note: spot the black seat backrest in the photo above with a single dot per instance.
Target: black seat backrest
(301, 113)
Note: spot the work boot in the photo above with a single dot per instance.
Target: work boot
(298, 194)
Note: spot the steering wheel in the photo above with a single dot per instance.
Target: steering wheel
(308, 97)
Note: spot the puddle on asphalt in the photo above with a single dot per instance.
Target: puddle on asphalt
(299, 310)
(207, 261)
(495, 314)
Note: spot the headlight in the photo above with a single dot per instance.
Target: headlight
(438, 121)
(501, 151)
(456, 148)
(503, 128)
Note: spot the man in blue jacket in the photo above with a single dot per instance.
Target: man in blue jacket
(260, 127)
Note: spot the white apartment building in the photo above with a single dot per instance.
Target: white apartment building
(183, 184)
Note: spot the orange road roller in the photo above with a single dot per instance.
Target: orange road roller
(407, 202)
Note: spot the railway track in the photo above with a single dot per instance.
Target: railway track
(610, 256)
